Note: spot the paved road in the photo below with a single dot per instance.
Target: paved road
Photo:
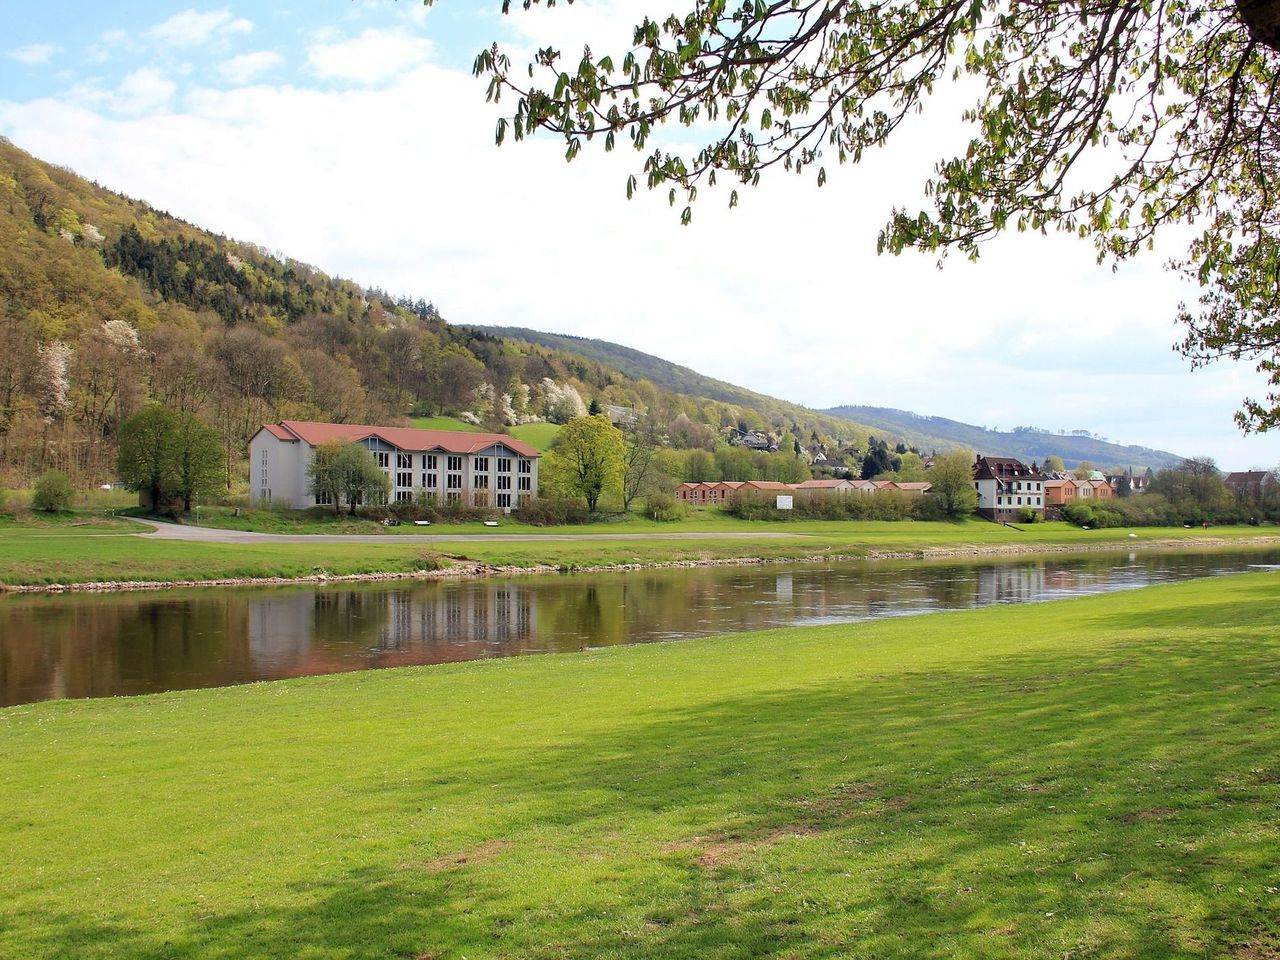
(173, 531)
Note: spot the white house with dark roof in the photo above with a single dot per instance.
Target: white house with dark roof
(1006, 487)
(483, 469)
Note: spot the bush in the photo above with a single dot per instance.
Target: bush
(427, 506)
(1028, 515)
(428, 560)
(663, 507)
(552, 510)
(1079, 514)
(52, 492)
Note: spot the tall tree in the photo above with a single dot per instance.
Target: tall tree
(952, 480)
(145, 459)
(196, 450)
(586, 459)
(1109, 119)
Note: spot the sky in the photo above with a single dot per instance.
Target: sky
(350, 134)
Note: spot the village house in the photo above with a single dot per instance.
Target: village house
(712, 493)
(482, 469)
(1246, 484)
(1006, 487)
(1059, 491)
(1136, 482)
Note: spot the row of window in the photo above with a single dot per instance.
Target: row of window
(406, 496)
(431, 461)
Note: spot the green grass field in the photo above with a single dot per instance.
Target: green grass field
(1088, 778)
(539, 435)
(444, 423)
(84, 548)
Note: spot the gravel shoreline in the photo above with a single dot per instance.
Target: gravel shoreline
(470, 570)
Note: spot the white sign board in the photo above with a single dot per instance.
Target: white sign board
(784, 503)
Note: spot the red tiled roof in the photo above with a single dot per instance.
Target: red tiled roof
(923, 485)
(823, 484)
(279, 432)
(404, 438)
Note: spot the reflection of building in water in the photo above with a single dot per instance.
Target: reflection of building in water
(1010, 584)
(343, 630)
(475, 614)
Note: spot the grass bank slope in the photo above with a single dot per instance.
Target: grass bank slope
(1088, 778)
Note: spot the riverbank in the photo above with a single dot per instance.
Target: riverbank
(111, 554)
(1091, 777)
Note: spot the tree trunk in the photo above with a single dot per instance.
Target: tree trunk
(1262, 17)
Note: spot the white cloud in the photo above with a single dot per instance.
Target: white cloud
(249, 66)
(191, 28)
(784, 295)
(377, 55)
(34, 54)
(143, 91)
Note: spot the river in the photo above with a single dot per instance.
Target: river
(90, 645)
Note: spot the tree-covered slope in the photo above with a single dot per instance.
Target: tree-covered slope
(107, 303)
(1027, 444)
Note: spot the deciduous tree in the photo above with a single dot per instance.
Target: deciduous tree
(952, 479)
(586, 459)
(1110, 119)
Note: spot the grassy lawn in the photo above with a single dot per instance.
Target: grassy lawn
(538, 435)
(83, 547)
(1087, 778)
(444, 423)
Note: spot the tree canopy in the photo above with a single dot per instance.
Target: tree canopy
(587, 459)
(1109, 119)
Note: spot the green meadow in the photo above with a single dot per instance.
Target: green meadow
(1086, 778)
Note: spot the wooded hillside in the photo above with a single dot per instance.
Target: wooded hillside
(106, 303)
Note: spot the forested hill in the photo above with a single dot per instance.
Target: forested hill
(1027, 444)
(673, 377)
(107, 303)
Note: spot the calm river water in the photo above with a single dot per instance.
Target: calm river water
(130, 643)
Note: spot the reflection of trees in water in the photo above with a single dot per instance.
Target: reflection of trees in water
(124, 644)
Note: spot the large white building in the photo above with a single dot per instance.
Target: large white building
(484, 469)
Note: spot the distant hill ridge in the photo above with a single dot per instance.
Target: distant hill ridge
(1025, 444)
(923, 432)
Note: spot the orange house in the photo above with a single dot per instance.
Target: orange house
(1058, 492)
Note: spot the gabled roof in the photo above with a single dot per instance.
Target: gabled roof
(1003, 468)
(403, 438)
(1240, 477)
(279, 432)
(921, 485)
(822, 484)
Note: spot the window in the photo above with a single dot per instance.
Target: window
(264, 458)
(504, 483)
(481, 465)
(384, 460)
(504, 500)
(324, 499)
(404, 496)
(526, 466)
(455, 463)
(526, 483)
(404, 479)
(504, 464)
(453, 496)
(431, 462)
(454, 482)
(429, 480)
(404, 461)
(482, 482)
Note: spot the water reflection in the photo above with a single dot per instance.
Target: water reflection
(92, 646)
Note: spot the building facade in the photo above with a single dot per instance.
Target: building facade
(480, 469)
(1006, 487)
